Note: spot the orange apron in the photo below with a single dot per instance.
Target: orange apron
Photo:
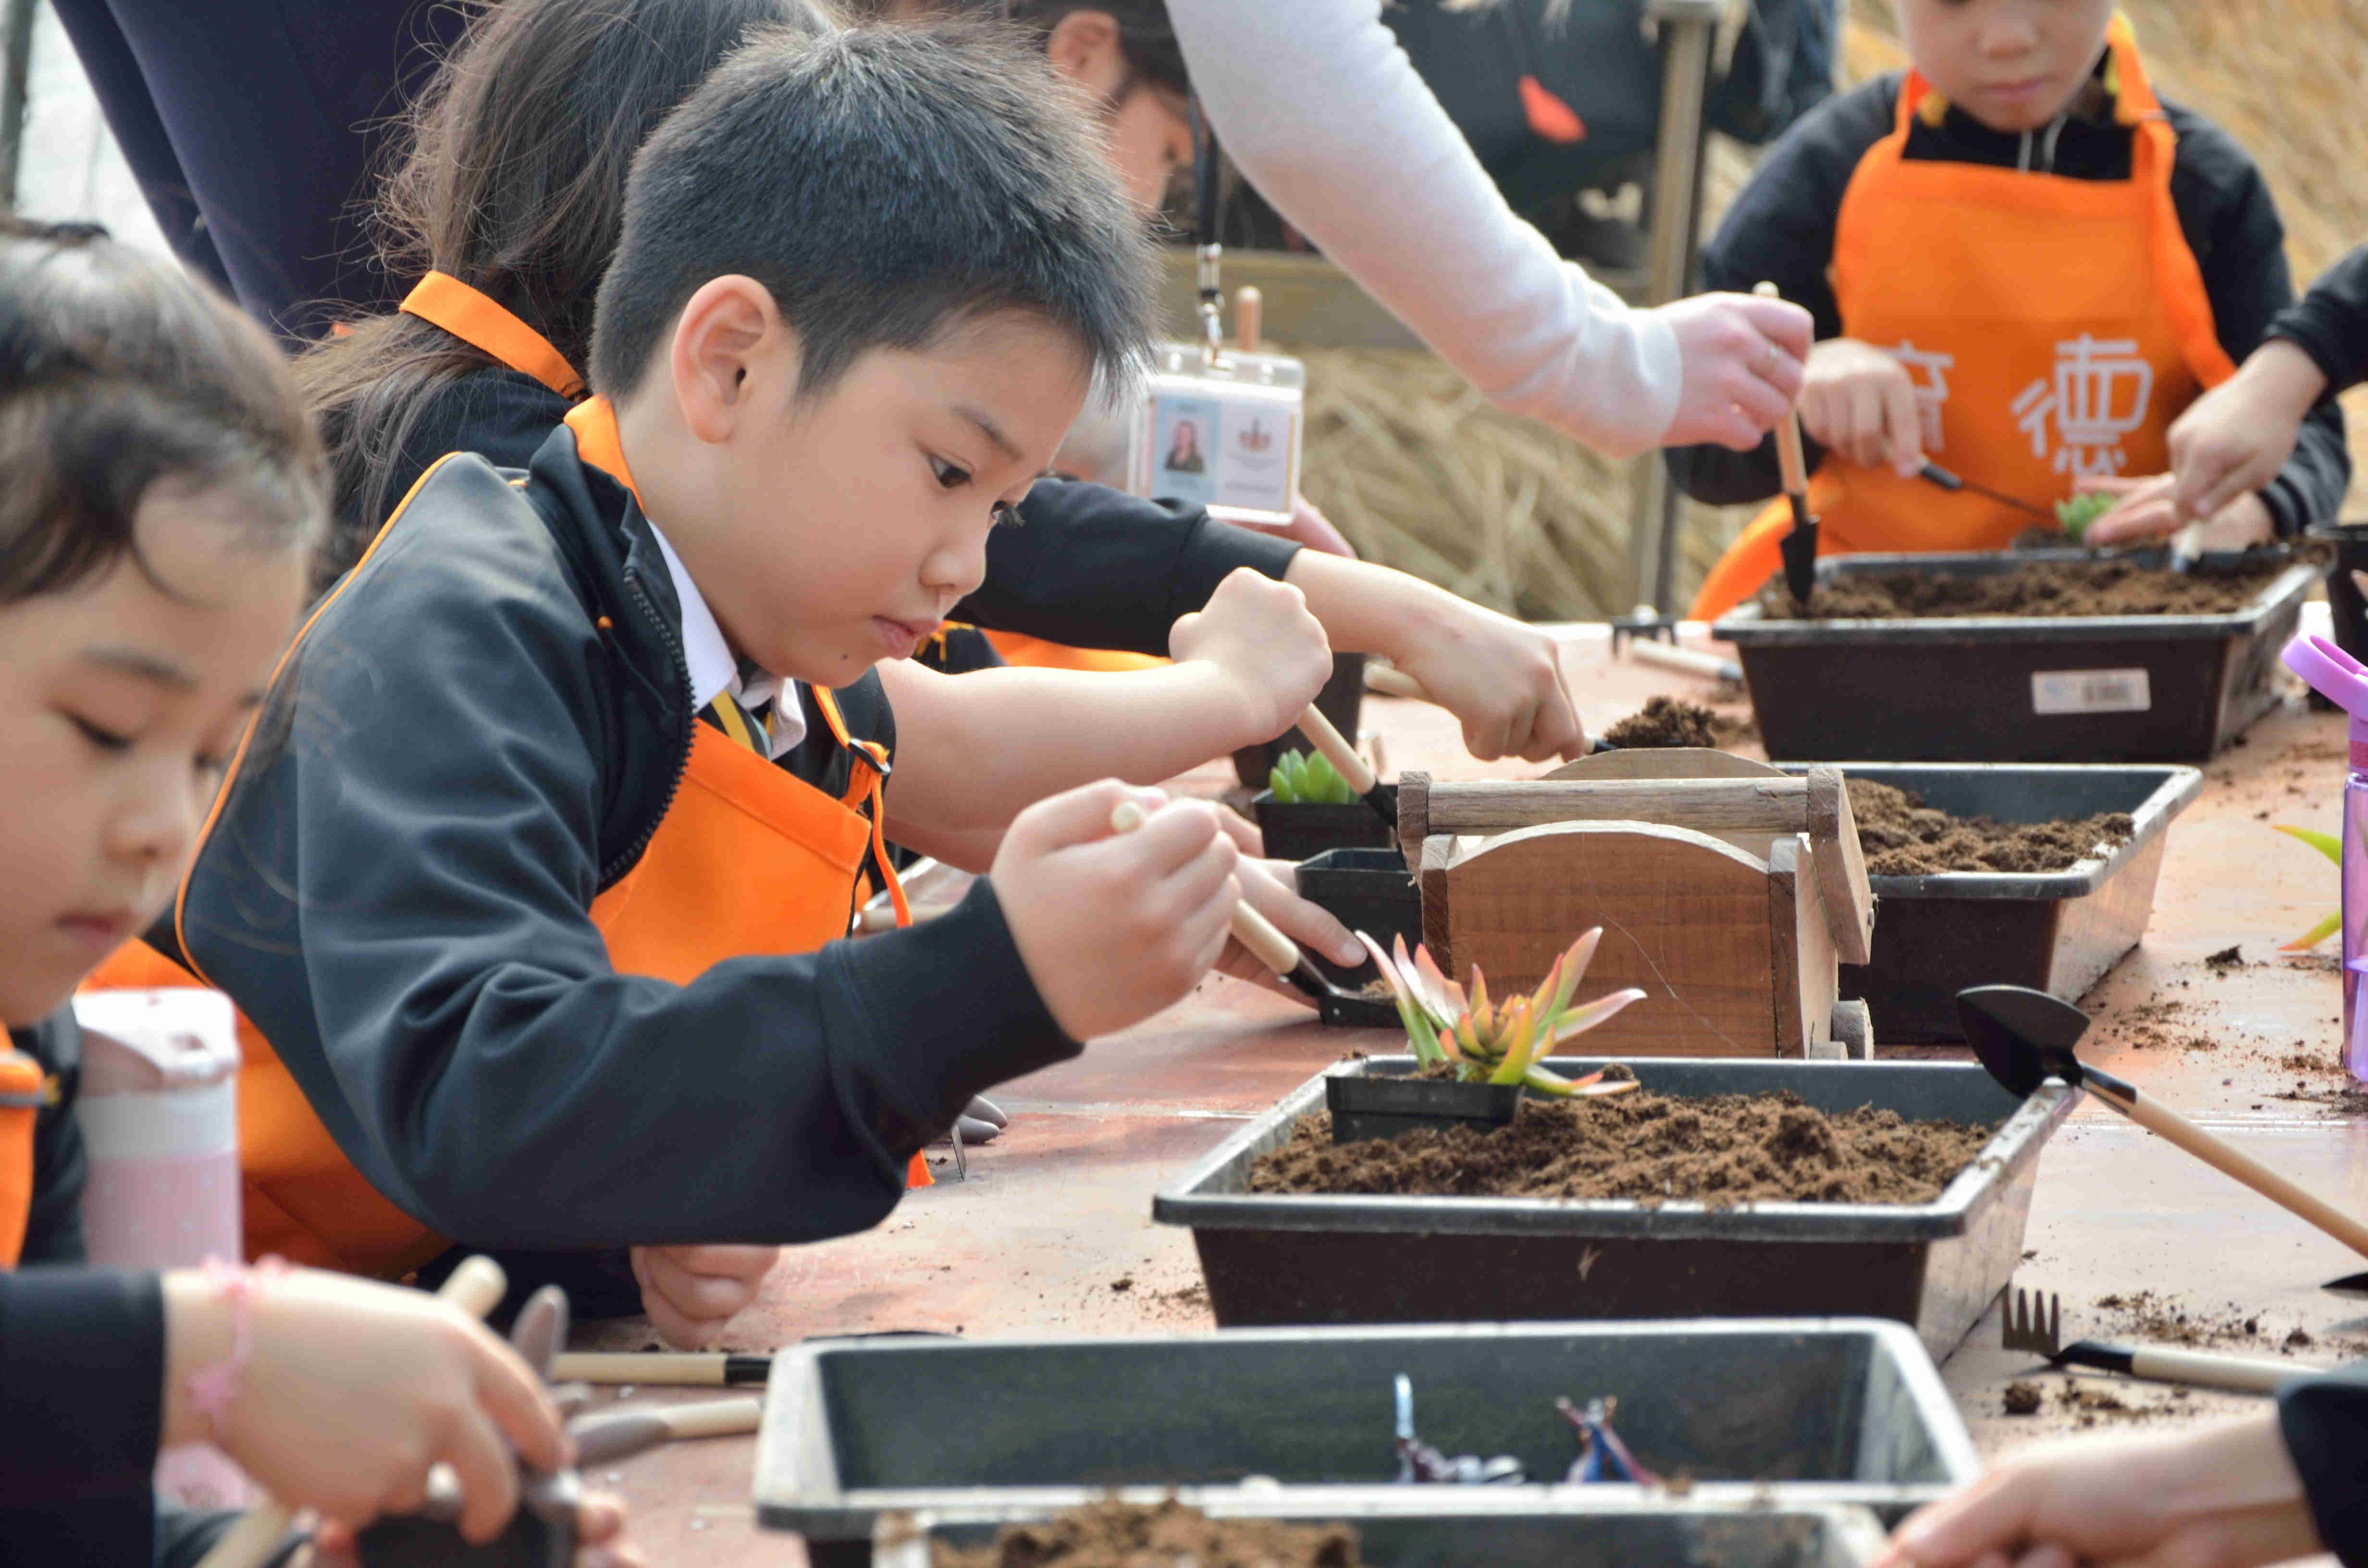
(748, 859)
(25, 1089)
(2054, 327)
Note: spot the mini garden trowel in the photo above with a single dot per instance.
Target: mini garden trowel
(1281, 955)
(1352, 768)
(2025, 1036)
(1933, 473)
(1799, 547)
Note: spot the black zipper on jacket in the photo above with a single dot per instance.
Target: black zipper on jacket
(628, 858)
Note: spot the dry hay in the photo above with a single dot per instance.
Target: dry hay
(1421, 475)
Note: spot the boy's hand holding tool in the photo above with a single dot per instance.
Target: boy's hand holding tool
(1268, 887)
(690, 1292)
(2235, 438)
(1859, 400)
(1114, 927)
(2148, 510)
(1259, 634)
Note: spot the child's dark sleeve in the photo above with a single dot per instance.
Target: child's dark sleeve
(2325, 1420)
(2331, 322)
(82, 1369)
(61, 1163)
(1781, 230)
(2231, 224)
(1097, 568)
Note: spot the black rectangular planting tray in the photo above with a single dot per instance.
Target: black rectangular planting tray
(1771, 1414)
(1415, 1530)
(2012, 688)
(1280, 1258)
(2053, 931)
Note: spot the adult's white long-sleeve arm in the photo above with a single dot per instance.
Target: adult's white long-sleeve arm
(1318, 106)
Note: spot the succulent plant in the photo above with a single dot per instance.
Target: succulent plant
(1299, 779)
(1499, 1042)
(2075, 514)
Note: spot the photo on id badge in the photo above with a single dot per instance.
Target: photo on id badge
(1186, 431)
(1219, 452)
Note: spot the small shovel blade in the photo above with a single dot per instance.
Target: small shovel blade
(1799, 548)
(2022, 1036)
(2353, 1286)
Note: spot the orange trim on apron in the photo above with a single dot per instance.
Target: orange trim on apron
(23, 1090)
(1026, 652)
(2055, 327)
(442, 300)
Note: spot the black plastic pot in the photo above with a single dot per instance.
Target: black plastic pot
(2012, 688)
(1342, 700)
(1298, 831)
(1365, 889)
(1365, 1108)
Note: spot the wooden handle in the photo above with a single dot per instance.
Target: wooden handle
(1390, 681)
(1336, 749)
(2242, 1373)
(2234, 1162)
(1249, 312)
(1693, 661)
(1788, 430)
(1707, 805)
(715, 1418)
(1250, 928)
(476, 1287)
(657, 1368)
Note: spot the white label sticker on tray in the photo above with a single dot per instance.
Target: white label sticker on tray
(2089, 691)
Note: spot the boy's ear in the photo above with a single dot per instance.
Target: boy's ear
(728, 337)
(1084, 46)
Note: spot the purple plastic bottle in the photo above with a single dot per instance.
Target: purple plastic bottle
(2343, 680)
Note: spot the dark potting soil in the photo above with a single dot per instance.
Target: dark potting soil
(2045, 588)
(1110, 1534)
(1716, 1149)
(1905, 837)
(1667, 721)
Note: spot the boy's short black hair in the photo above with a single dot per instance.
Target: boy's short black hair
(119, 372)
(884, 183)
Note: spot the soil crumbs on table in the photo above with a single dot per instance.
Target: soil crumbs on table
(1905, 837)
(1667, 721)
(1110, 1534)
(1720, 1150)
(2043, 588)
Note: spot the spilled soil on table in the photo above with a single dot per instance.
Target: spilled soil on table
(1905, 837)
(2041, 588)
(1110, 1534)
(1667, 721)
(1717, 1149)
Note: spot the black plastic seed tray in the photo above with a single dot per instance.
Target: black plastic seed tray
(2053, 931)
(2012, 688)
(1773, 1415)
(1282, 1259)
(1419, 1528)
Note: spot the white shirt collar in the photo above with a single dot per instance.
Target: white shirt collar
(715, 671)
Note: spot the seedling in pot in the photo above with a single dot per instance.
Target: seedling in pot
(2075, 514)
(1299, 779)
(1421, 1465)
(1499, 1042)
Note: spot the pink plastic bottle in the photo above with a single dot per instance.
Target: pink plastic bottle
(159, 1113)
(2343, 680)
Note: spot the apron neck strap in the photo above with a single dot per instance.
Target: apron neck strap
(596, 443)
(442, 300)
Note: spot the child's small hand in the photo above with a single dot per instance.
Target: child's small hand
(1114, 927)
(2147, 510)
(1259, 633)
(690, 1292)
(2233, 439)
(1501, 678)
(1860, 402)
(352, 1391)
(1270, 886)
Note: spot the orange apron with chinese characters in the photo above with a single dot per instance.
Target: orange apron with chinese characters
(2054, 327)
(748, 859)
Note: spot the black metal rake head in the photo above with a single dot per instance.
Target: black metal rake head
(2032, 1323)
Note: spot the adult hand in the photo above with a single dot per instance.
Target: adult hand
(690, 1292)
(1861, 401)
(1313, 529)
(1114, 926)
(1740, 358)
(2233, 438)
(2221, 1498)
(352, 1391)
(2148, 509)
(1270, 886)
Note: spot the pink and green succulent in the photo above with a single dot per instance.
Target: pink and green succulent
(1499, 1042)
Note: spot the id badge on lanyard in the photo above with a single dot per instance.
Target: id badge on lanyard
(1218, 427)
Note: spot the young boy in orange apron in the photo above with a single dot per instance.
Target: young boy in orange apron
(2023, 266)
(545, 958)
